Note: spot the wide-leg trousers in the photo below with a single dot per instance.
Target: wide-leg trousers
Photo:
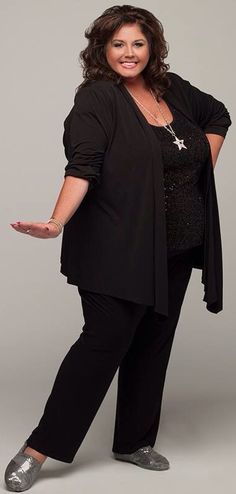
(117, 334)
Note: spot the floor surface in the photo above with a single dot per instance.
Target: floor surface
(197, 434)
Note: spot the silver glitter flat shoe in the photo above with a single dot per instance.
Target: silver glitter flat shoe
(22, 471)
(145, 457)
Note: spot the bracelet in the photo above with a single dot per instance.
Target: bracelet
(57, 223)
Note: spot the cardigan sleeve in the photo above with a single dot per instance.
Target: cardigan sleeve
(210, 113)
(86, 135)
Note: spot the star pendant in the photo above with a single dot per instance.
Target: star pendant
(180, 143)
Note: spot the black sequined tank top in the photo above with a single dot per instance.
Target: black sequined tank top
(184, 199)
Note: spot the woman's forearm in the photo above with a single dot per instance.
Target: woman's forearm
(215, 142)
(70, 197)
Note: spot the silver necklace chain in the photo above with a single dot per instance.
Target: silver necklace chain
(168, 126)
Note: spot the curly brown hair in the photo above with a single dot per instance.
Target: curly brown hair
(93, 59)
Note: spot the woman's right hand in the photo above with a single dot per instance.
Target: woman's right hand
(38, 230)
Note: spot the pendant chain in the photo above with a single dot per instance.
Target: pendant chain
(167, 124)
(168, 127)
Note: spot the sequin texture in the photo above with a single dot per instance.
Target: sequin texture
(145, 457)
(184, 198)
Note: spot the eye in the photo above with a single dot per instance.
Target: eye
(120, 44)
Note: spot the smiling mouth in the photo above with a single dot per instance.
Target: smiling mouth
(129, 65)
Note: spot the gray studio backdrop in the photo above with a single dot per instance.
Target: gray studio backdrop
(41, 314)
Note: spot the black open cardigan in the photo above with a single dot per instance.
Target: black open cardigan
(115, 243)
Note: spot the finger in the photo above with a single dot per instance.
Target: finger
(20, 229)
(27, 229)
(21, 226)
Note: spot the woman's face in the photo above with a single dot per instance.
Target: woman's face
(127, 51)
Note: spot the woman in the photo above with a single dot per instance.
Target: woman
(138, 210)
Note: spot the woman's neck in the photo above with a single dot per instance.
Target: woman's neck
(135, 84)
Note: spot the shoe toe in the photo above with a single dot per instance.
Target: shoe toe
(159, 460)
(146, 457)
(152, 462)
(21, 472)
(16, 479)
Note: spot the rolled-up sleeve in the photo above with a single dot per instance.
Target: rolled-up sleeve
(86, 137)
(211, 114)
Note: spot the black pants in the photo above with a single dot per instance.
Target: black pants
(116, 333)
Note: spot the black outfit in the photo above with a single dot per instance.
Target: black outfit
(127, 326)
(184, 199)
(116, 333)
(121, 220)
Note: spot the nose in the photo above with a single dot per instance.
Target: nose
(129, 51)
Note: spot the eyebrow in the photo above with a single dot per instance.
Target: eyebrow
(141, 39)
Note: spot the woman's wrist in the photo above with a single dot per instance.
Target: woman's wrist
(56, 222)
